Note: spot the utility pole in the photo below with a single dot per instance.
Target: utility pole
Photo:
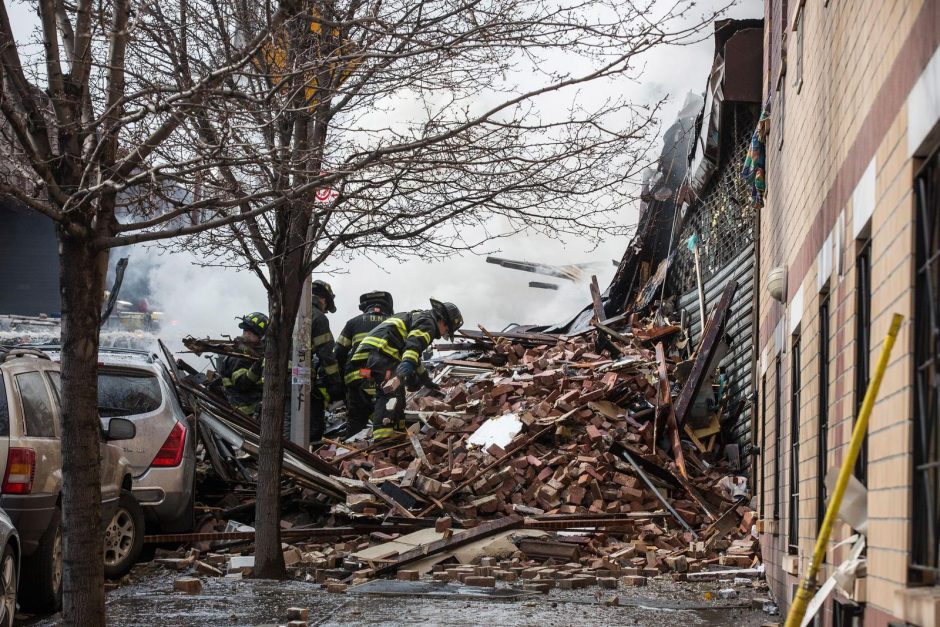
(301, 355)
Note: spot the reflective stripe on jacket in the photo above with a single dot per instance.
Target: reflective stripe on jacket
(322, 345)
(356, 330)
(403, 337)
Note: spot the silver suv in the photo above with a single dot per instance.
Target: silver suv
(31, 459)
(134, 384)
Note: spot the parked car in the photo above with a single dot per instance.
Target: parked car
(31, 456)
(9, 569)
(135, 384)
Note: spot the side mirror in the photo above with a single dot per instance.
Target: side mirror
(121, 429)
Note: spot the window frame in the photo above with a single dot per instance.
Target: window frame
(924, 566)
(778, 439)
(822, 434)
(863, 298)
(793, 510)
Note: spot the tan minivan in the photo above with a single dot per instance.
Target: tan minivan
(31, 459)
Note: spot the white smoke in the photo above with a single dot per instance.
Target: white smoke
(205, 301)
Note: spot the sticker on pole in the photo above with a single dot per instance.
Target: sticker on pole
(300, 375)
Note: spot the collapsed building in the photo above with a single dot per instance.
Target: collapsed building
(628, 427)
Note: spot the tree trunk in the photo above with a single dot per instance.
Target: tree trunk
(83, 565)
(283, 301)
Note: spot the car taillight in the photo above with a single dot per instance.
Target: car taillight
(171, 453)
(21, 466)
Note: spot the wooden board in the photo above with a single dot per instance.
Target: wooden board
(436, 546)
(703, 357)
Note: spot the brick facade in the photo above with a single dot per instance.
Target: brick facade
(840, 170)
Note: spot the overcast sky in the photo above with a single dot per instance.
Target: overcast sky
(205, 301)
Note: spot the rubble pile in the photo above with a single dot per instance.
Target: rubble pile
(542, 460)
(567, 437)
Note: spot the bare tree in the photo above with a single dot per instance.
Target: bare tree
(94, 137)
(416, 113)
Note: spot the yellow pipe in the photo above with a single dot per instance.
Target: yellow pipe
(807, 585)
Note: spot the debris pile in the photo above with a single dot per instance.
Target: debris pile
(590, 459)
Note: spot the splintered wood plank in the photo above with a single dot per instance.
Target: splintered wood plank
(705, 353)
(458, 539)
(665, 404)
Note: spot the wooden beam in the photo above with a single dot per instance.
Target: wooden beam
(703, 357)
(614, 334)
(376, 492)
(546, 549)
(596, 299)
(468, 364)
(665, 404)
(458, 539)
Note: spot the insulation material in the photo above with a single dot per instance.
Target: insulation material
(499, 431)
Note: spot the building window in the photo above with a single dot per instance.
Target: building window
(793, 528)
(798, 50)
(763, 443)
(925, 523)
(846, 614)
(780, 113)
(778, 438)
(822, 438)
(862, 344)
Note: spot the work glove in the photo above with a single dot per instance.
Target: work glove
(405, 369)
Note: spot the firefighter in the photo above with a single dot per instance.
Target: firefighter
(360, 393)
(328, 384)
(391, 356)
(243, 378)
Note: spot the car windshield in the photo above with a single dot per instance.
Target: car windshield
(125, 394)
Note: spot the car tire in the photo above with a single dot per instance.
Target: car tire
(41, 576)
(8, 582)
(123, 537)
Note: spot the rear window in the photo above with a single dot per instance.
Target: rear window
(125, 394)
(37, 407)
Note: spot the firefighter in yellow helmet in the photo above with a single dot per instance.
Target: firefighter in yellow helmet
(243, 378)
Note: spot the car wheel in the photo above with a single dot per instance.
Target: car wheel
(123, 537)
(8, 587)
(41, 576)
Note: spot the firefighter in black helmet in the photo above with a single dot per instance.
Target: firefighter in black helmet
(243, 378)
(391, 355)
(360, 397)
(328, 383)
